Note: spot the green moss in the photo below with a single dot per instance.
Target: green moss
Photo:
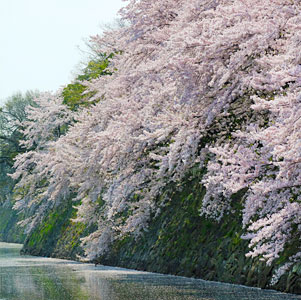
(58, 235)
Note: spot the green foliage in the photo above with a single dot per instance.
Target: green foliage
(74, 97)
(11, 114)
(96, 68)
(75, 94)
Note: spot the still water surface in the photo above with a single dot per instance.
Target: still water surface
(36, 278)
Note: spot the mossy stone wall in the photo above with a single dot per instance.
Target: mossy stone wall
(181, 242)
(57, 236)
(178, 242)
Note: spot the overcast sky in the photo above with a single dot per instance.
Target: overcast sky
(39, 40)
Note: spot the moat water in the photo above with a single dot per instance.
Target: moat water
(38, 278)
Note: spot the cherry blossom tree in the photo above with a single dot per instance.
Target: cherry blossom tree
(179, 66)
(47, 119)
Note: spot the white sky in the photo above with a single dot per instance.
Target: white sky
(39, 40)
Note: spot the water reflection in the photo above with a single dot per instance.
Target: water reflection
(34, 278)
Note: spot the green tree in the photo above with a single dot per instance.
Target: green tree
(73, 93)
(12, 113)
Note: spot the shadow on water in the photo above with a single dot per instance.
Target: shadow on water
(36, 278)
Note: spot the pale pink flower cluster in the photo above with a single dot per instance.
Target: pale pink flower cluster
(46, 120)
(267, 161)
(284, 268)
